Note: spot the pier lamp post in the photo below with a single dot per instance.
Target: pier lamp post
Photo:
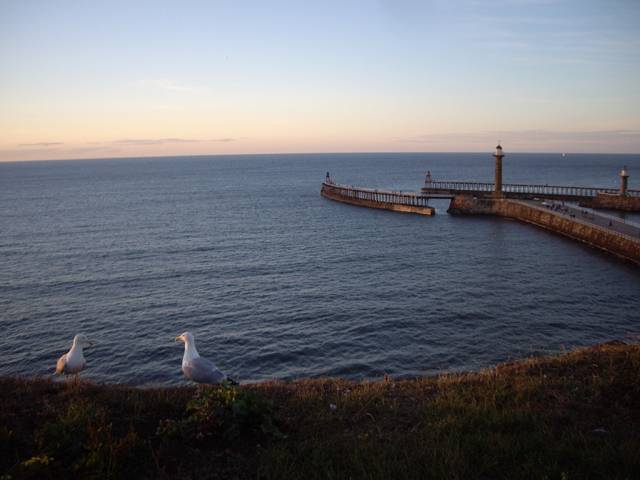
(497, 188)
(624, 180)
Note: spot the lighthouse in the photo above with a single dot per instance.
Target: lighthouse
(624, 180)
(497, 188)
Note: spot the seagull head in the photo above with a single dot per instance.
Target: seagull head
(82, 341)
(186, 337)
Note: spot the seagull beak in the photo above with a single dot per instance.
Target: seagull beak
(177, 339)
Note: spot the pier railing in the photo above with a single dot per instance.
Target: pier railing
(523, 190)
(375, 195)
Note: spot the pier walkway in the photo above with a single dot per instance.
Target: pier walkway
(407, 202)
(598, 219)
(440, 189)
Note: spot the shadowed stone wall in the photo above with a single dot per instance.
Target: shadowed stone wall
(613, 202)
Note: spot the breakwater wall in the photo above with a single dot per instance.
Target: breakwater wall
(611, 201)
(381, 199)
(619, 244)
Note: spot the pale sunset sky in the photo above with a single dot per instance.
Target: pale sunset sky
(91, 79)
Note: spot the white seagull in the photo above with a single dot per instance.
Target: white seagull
(196, 368)
(73, 361)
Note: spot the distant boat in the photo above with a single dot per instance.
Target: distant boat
(564, 155)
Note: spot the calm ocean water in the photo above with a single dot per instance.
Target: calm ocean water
(277, 282)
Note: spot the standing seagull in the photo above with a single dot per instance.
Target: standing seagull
(73, 361)
(196, 368)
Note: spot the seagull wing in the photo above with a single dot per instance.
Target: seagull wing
(62, 362)
(201, 370)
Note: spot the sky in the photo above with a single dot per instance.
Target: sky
(90, 79)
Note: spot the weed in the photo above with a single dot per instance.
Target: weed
(224, 413)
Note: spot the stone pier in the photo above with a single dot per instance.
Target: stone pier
(380, 199)
(569, 225)
(612, 201)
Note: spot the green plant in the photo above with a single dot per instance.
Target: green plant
(82, 440)
(64, 437)
(223, 412)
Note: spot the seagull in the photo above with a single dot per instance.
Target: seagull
(199, 369)
(73, 361)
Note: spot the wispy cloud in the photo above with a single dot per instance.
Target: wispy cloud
(593, 141)
(544, 37)
(41, 144)
(52, 153)
(227, 139)
(591, 135)
(116, 148)
(165, 140)
(91, 150)
(519, 21)
(153, 141)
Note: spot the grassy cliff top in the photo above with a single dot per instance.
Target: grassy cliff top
(575, 415)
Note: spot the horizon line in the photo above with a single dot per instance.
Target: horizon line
(308, 153)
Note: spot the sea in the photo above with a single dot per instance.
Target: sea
(276, 282)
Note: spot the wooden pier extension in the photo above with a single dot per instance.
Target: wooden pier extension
(592, 197)
(382, 199)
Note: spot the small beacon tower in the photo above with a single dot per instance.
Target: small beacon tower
(624, 180)
(497, 189)
(428, 179)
